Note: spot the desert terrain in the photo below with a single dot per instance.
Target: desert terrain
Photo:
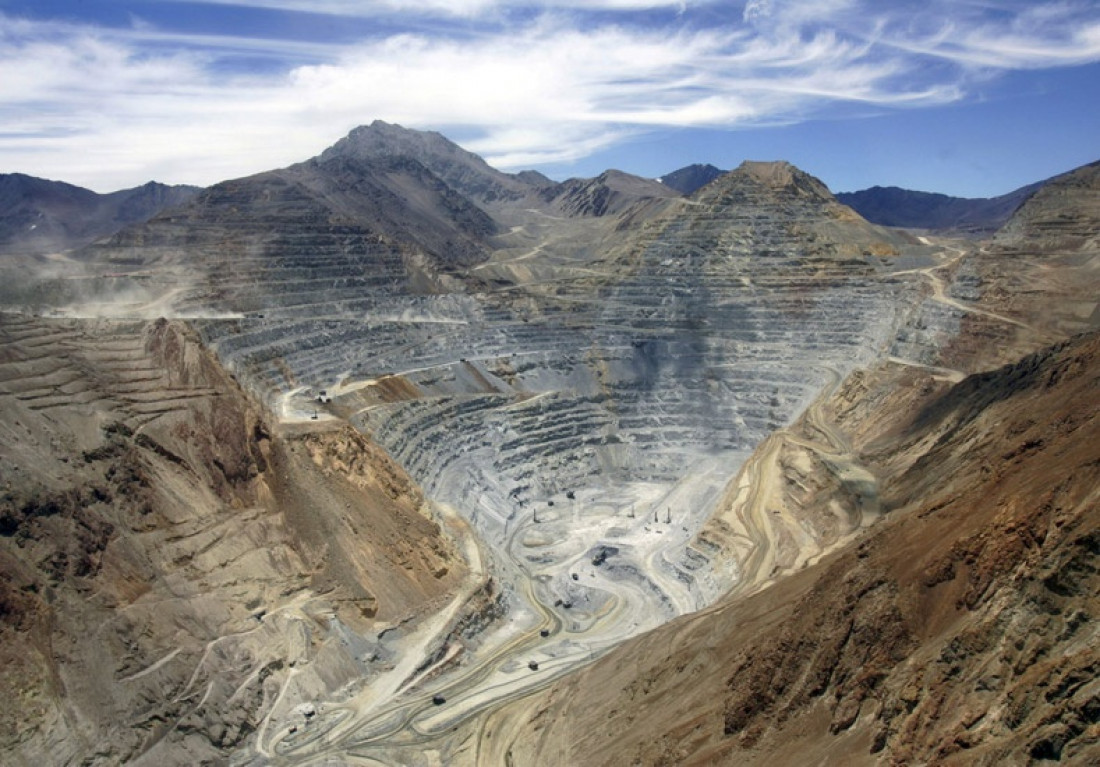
(388, 457)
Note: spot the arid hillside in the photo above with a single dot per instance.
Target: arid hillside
(961, 630)
(40, 217)
(172, 563)
(431, 464)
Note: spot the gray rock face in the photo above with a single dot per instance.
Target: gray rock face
(609, 404)
(614, 404)
(609, 193)
(463, 171)
(396, 203)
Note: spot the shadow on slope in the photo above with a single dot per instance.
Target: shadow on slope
(962, 630)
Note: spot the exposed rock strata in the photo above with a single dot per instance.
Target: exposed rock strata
(1060, 216)
(172, 566)
(634, 375)
(961, 629)
(548, 360)
(896, 650)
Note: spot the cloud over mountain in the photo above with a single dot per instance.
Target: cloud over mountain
(521, 83)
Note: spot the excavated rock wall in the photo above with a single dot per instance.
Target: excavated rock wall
(721, 322)
(546, 360)
(958, 630)
(976, 650)
(162, 596)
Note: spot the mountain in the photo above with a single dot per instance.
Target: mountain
(1062, 214)
(612, 192)
(164, 542)
(688, 179)
(435, 463)
(462, 171)
(41, 216)
(961, 630)
(396, 207)
(377, 204)
(892, 206)
(778, 194)
(535, 179)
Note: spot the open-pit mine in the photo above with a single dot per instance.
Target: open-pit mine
(389, 458)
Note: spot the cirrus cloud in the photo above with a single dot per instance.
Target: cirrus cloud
(371, 8)
(112, 107)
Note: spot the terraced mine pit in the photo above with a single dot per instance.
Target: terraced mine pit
(586, 413)
(575, 376)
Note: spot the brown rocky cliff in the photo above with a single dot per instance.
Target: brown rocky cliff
(357, 519)
(157, 586)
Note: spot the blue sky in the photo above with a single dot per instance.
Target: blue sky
(966, 97)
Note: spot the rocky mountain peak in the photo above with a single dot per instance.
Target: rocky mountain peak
(618, 179)
(613, 191)
(781, 175)
(535, 179)
(765, 184)
(382, 139)
(790, 205)
(690, 178)
(463, 171)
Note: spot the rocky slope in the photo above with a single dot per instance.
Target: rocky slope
(462, 171)
(612, 192)
(381, 222)
(961, 630)
(617, 352)
(550, 411)
(179, 573)
(689, 179)
(1061, 216)
(384, 214)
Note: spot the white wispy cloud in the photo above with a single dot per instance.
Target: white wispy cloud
(468, 8)
(109, 108)
(1009, 34)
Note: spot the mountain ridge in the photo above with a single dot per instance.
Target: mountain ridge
(464, 171)
(893, 206)
(70, 217)
(41, 216)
